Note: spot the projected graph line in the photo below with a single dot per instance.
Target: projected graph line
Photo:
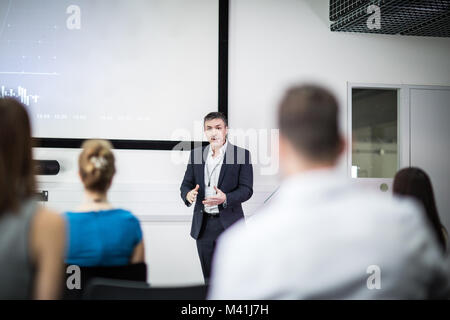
(6, 18)
(30, 73)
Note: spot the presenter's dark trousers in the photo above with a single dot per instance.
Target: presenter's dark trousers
(206, 242)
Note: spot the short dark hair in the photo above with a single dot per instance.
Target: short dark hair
(17, 181)
(308, 118)
(216, 115)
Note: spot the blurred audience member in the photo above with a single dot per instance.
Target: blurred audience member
(322, 236)
(32, 238)
(414, 182)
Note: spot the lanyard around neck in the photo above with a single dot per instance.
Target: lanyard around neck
(212, 172)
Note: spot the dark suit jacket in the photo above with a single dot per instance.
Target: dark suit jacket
(235, 180)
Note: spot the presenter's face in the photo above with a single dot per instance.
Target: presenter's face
(216, 132)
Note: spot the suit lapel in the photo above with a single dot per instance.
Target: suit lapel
(225, 164)
(202, 171)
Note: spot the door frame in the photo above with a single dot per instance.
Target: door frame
(403, 127)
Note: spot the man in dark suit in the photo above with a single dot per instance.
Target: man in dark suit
(218, 179)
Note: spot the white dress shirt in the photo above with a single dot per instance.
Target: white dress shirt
(213, 165)
(323, 237)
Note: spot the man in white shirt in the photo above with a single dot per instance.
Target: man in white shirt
(322, 237)
(218, 179)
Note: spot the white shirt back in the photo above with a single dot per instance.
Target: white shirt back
(322, 237)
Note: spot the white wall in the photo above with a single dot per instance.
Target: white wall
(273, 44)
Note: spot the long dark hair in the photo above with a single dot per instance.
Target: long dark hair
(17, 181)
(416, 183)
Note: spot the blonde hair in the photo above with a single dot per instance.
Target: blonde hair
(97, 165)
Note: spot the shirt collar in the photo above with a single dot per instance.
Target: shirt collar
(312, 182)
(221, 150)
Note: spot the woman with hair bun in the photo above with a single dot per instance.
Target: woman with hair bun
(99, 234)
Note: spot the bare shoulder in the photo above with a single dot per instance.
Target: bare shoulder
(47, 234)
(48, 223)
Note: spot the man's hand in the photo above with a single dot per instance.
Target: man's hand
(219, 198)
(192, 195)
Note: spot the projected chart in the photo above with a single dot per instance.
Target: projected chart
(137, 70)
(21, 94)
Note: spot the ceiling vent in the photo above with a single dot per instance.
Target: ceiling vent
(405, 17)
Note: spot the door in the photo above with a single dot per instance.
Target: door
(430, 141)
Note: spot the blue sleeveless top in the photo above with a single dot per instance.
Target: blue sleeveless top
(101, 238)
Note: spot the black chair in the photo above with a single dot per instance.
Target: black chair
(109, 289)
(132, 272)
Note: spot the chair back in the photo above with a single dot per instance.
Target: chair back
(109, 289)
(132, 272)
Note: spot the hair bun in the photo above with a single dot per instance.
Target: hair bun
(97, 165)
(99, 162)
